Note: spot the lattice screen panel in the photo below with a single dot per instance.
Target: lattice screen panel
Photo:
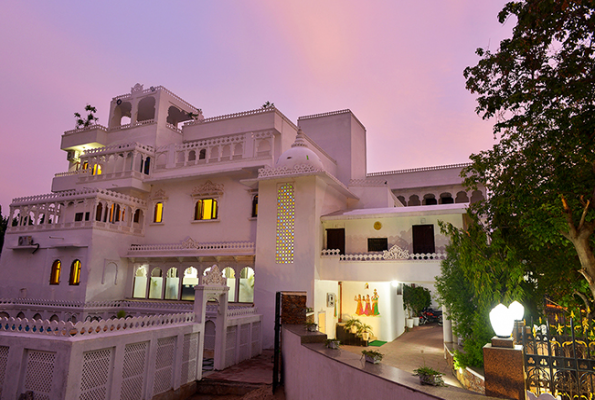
(134, 371)
(39, 373)
(3, 362)
(230, 345)
(166, 348)
(285, 224)
(95, 375)
(255, 338)
(245, 342)
(189, 356)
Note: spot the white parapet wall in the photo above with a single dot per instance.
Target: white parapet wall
(110, 359)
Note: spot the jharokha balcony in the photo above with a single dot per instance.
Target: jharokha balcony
(88, 208)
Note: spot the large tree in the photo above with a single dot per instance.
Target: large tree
(539, 86)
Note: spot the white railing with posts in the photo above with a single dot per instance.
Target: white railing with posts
(119, 148)
(192, 246)
(63, 328)
(383, 257)
(88, 128)
(406, 171)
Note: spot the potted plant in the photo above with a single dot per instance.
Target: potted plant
(372, 356)
(312, 326)
(415, 299)
(429, 376)
(364, 331)
(333, 344)
(352, 325)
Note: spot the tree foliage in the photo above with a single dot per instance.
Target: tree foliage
(479, 272)
(540, 87)
(89, 120)
(416, 298)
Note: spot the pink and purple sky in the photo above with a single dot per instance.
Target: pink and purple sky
(397, 65)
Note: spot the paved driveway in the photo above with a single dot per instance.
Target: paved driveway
(414, 348)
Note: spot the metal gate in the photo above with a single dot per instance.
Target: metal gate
(560, 359)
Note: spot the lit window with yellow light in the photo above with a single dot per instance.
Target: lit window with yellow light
(96, 169)
(255, 206)
(205, 209)
(75, 272)
(158, 215)
(55, 274)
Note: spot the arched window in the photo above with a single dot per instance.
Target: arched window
(137, 216)
(202, 154)
(172, 283)
(246, 285)
(147, 165)
(98, 212)
(205, 209)
(21, 315)
(140, 283)
(37, 316)
(156, 285)
(55, 274)
(158, 214)
(230, 274)
(96, 169)
(189, 281)
(75, 272)
(255, 206)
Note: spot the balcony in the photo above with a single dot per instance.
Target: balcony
(393, 265)
(190, 248)
(92, 136)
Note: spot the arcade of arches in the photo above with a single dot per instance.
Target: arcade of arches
(177, 283)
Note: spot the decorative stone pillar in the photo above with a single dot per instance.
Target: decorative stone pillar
(213, 287)
(504, 369)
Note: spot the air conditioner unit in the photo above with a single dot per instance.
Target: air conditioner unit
(25, 240)
(71, 155)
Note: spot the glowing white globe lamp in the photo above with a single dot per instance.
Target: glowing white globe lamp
(502, 321)
(517, 310)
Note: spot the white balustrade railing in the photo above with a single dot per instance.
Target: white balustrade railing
(233, 311)
(173, 127)
(72, 173)
(119, 148)
(72, 194)
(382, 257)
(406, 171)
(228, 116)
(88, 128)
(69, 329)
(128, 126)
(193, 246)
(103, 305)
(325, 114)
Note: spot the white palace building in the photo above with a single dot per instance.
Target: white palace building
(163, 196)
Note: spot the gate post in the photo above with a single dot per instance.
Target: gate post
(504, 369)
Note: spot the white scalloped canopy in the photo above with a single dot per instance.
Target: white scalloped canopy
(299, 154)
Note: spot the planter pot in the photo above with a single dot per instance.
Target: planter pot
(354, 329)
(432, 380)
(365, 336)
(312, 328)
(334, 345)
(409, 323)
(416, 321)
(372, 360)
